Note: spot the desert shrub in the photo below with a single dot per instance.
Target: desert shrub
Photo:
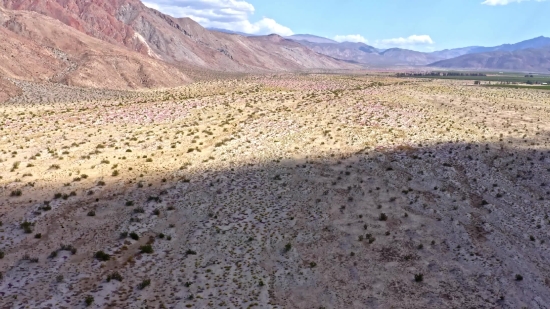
(519, 277)
(26, 226)
(145, 283)
(288, 247)
(146, 249)
(123, 235)
(190, 252)
(139, 210)
(2, 254)
(55, 167)
(16, 193)
(102, 256)
(129, 203)
(59, 278)
(134, 236)
(419, 277)
(383, 217)
(101, 183)
(68, 248)
(38, 236)
(156, 212)
(89, 300)
(114, 276)
(91, 213)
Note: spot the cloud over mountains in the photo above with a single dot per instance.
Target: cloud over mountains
(226, 14)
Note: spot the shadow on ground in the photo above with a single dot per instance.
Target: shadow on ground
(344, 231)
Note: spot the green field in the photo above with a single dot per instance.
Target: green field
(495, 78)
(545, 87)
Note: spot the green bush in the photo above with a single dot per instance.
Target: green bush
(102, 256)
(114, 276)
(89, 300)
(146, 249)
(145, 283)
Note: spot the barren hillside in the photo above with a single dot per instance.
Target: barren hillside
(39, 48)
(179, 41)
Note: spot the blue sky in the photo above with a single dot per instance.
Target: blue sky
(424, 25)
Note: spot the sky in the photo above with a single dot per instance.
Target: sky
(424, 25)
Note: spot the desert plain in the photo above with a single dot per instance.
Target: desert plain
(276, 191)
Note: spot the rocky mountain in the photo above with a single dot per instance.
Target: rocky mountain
(538, 42)
(37, 48)
(400, 56)
(310, 38)
(369, 55)
(179, 41)
(532, 60)
(229, 31)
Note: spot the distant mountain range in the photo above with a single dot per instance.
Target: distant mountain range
(531, 59)
(230, 31)
(506, 57)
(310, 38)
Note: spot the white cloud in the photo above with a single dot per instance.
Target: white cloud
(226, 14)
(357, 38)
(505, 2)
(408, 42)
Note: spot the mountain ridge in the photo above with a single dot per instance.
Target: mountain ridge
(527, 60)
(180, 43)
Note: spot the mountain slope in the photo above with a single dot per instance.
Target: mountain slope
(309, 38)
(401, 56)
(533, 59)
(365, 54)
(538, 42)
(176, 40)
(38, 48)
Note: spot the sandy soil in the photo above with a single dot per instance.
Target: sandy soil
(280, 191)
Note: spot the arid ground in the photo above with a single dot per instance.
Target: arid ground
(279, 191)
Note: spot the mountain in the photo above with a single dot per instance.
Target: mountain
(455, 52)
(230, 31)
(309, 38)
(531, 60)
(538, 42)
(178, 41)
(365, 54)
(38, 48)
(408, 57)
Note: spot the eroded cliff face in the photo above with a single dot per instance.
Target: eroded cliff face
(41, 49)
(180, 41)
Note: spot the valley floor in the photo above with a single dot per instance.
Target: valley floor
(280, 191)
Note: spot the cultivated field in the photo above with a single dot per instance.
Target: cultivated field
(283, 191)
